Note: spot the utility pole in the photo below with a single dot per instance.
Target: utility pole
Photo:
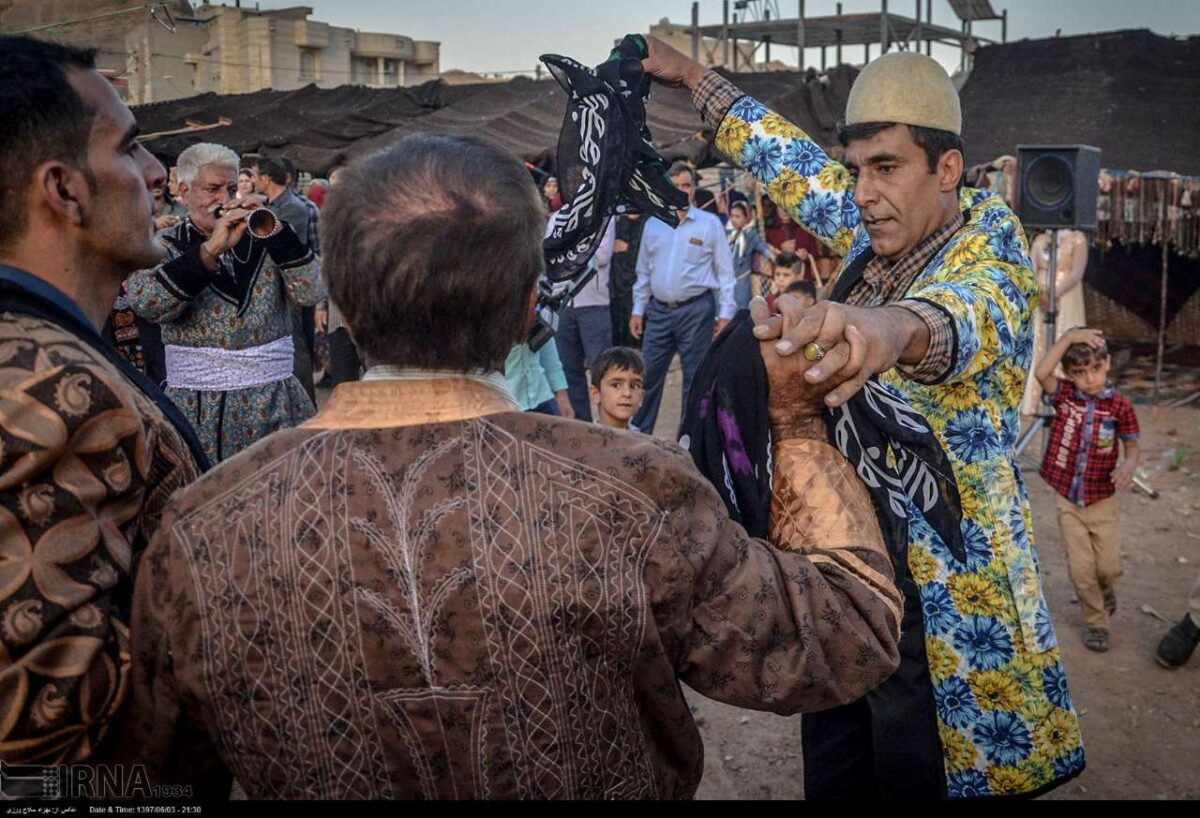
(838, 34)
(725, 33)
(884, 30)
(929, 22)
(767, 40)
(801, 36)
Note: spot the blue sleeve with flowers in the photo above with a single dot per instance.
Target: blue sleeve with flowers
(814, 189)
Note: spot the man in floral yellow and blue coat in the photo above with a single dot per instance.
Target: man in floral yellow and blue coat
(936, 297)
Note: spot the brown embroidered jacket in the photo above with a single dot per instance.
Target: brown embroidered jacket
(424, 594)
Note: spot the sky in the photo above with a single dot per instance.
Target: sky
(508, 35)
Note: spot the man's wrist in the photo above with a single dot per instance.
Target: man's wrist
(693, 75)
(911, 335)
(208, 257)
(713, 96)
(797, 426)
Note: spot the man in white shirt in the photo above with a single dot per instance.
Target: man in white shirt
(683, 296)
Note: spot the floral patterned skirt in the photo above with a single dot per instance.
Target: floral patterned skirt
(228, 422)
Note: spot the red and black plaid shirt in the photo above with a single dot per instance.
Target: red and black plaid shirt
(1083, 442)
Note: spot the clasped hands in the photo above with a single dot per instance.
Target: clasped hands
(854, 343)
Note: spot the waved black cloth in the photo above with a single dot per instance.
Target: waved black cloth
(606, 161)
(728, 433)
(726, 427)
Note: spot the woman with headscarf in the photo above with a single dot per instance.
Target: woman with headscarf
(552, 195)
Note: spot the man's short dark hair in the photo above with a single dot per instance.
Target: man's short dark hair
(1081, 355)
(289, 167)
(808, 288)
(934, 142)
(789, 260)
(45, 120)
(432, 249)
(273, 168)
(622, 359)
(680, 168)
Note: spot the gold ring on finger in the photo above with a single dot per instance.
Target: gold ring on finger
(813, 352)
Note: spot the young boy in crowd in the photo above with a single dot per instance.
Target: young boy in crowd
(804, 291)
(618, 379)
(1081, 465)
(787, 271)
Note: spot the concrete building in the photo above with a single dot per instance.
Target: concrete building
(234, 50)
(679, 37)
(99, 24)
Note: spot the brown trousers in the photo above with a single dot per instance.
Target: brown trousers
(1092, 536)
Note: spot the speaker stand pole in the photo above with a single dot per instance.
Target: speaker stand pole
(1044, 418)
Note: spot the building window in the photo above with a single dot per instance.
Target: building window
(362, 71)
(308, 64)
(391, 73)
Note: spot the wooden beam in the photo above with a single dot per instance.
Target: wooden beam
(190, 127)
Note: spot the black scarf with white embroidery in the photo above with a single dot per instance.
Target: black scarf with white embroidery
(727, 432)
(606, 162)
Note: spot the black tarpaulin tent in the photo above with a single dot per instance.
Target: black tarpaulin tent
(319, 128)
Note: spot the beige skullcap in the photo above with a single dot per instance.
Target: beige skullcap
(908, 88)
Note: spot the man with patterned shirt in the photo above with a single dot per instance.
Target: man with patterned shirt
(89, 449)
(936, 297)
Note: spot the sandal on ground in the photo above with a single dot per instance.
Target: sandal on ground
(1095, 639)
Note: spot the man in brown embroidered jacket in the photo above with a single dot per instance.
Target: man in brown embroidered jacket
(89, 449)
(425, 593)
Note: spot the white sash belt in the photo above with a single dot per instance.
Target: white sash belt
(209, 369)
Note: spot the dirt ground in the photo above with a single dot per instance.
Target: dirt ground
(1141, 723)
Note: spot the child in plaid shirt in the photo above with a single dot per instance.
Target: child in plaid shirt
(1081, 465)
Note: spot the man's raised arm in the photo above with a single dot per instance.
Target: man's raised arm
(815, 190)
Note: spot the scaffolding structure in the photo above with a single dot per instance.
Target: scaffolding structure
(760, 23)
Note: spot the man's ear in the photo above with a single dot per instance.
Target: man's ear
(182, 188)
(62, 189)
(950, 170)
